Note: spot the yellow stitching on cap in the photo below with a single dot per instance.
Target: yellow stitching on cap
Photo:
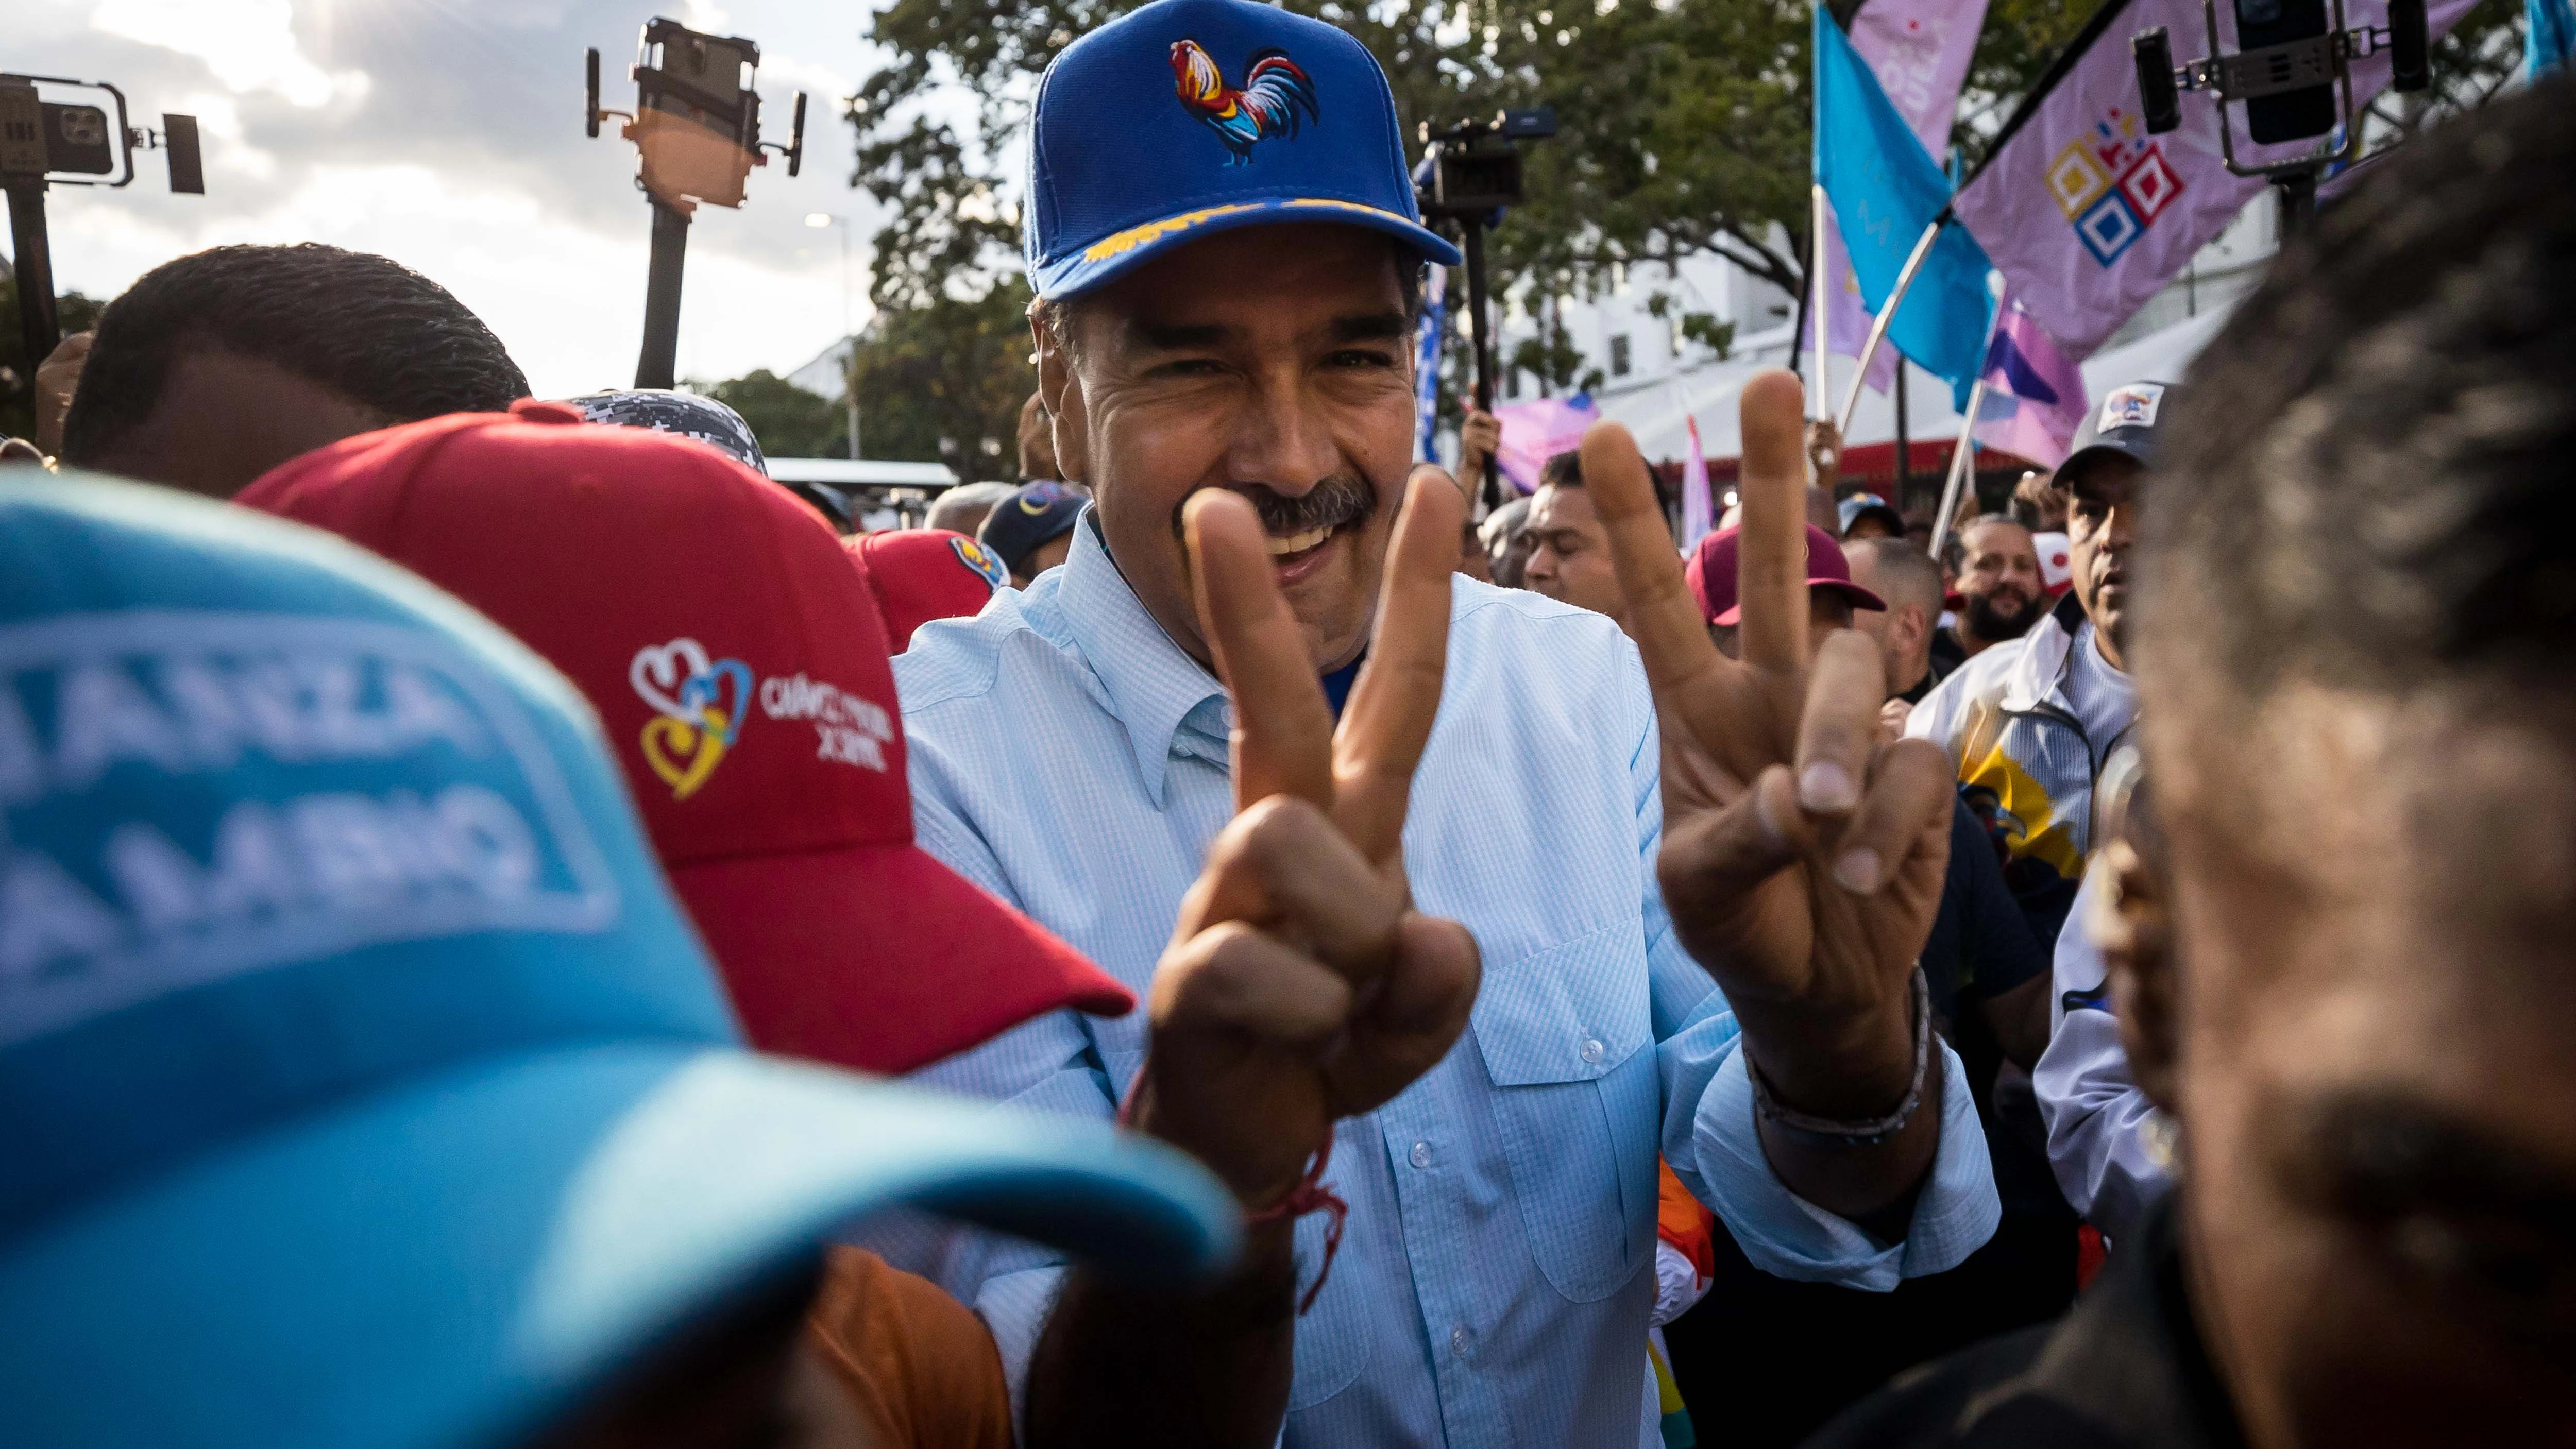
(1352, 206)
(1137, 236)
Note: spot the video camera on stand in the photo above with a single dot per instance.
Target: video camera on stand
(1470, 173)
(52, 142)
(2294, 76)
(696, 125)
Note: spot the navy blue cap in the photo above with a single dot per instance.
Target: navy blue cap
(1029, 517)
(1191, 117)
(2124, 426)
(361, 1085)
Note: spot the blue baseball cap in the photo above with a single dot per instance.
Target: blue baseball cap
(361, 1085)
(1190, 117)
(1031, 516)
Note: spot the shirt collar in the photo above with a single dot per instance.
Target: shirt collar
(1154, 687)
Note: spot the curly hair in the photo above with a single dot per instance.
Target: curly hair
(372, 330)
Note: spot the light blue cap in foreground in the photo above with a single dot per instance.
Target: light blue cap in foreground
(361, 1087)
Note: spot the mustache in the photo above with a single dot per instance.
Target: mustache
(1340, 499)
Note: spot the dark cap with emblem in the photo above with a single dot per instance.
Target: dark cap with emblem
(2125, 424)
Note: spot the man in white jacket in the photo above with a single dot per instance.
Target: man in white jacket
(2032, 725)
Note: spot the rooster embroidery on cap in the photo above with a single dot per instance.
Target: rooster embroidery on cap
(1274, 88)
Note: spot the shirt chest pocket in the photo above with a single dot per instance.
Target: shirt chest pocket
(1567, 1039)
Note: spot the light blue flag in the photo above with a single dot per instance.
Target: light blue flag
(2548, 35)
(1885, 190)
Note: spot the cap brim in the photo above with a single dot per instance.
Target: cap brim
(879, 957)
(2086, 458)
(1861, 599)
(1104, 260)
(461, 1261)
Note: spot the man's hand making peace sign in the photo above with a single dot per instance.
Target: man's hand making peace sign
(1300, 986)
(1802, 857)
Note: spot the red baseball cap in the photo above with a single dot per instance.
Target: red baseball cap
(921, 574)
(1711, 572)
(739, 667)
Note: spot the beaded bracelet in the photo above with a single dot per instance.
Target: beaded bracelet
(1831, 1132)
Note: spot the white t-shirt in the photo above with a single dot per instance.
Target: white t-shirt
(2105, 699)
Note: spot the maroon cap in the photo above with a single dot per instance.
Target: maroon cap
(1712, 573)
(740, 669)
(921, 574)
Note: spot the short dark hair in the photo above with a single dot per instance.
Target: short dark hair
(1565, 470)
(372, 330)
(2369, 488)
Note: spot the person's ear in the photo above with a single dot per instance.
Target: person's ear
(2132, 922)
(1060, 394)
(1906, 629)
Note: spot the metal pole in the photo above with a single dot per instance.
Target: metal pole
(1798, 329)
(2298, 202)
(1960, 466)
(38, 326)
(1816, 309)
(1886, 314)
(850, 381)
(654, 368)
(1904, 441)
(1474, 227)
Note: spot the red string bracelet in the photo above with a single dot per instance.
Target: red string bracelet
(1309, 1195)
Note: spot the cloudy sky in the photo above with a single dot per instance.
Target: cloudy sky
(447, 134)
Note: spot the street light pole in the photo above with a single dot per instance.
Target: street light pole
(850, 363)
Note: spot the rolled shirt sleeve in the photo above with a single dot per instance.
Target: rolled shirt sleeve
(1782, 1233)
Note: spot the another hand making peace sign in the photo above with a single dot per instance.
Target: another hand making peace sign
(1802, 857)
(1300, 986)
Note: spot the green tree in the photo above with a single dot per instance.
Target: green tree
(789, 421)
(944, 382)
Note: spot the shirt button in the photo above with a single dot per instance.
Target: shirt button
(1458, 1342)
(1592, 1052)
(1421, 1154)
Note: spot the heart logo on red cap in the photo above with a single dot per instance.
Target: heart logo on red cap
(696, 716)
(660, 671)
(681, 753)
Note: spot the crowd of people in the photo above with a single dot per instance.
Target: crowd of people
(1358, 974)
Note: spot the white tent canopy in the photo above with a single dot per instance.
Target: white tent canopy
(1658, 414)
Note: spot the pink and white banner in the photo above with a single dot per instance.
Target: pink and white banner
(1919, 50)
(1538, 430)
(1699, 510)
(2087, 215)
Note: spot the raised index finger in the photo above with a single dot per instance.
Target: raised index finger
(1663, 615)
(1771, 551)
(1283, 730)
(1388, 719)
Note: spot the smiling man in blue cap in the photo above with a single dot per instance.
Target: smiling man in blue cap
(1228, 260)
(361, 1085)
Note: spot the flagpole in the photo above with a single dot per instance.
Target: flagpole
(1816, 304)
(1887, 314)
(1960, 455)
(1959, 467)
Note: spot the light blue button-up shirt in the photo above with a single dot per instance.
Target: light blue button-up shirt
(1494, 1283)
